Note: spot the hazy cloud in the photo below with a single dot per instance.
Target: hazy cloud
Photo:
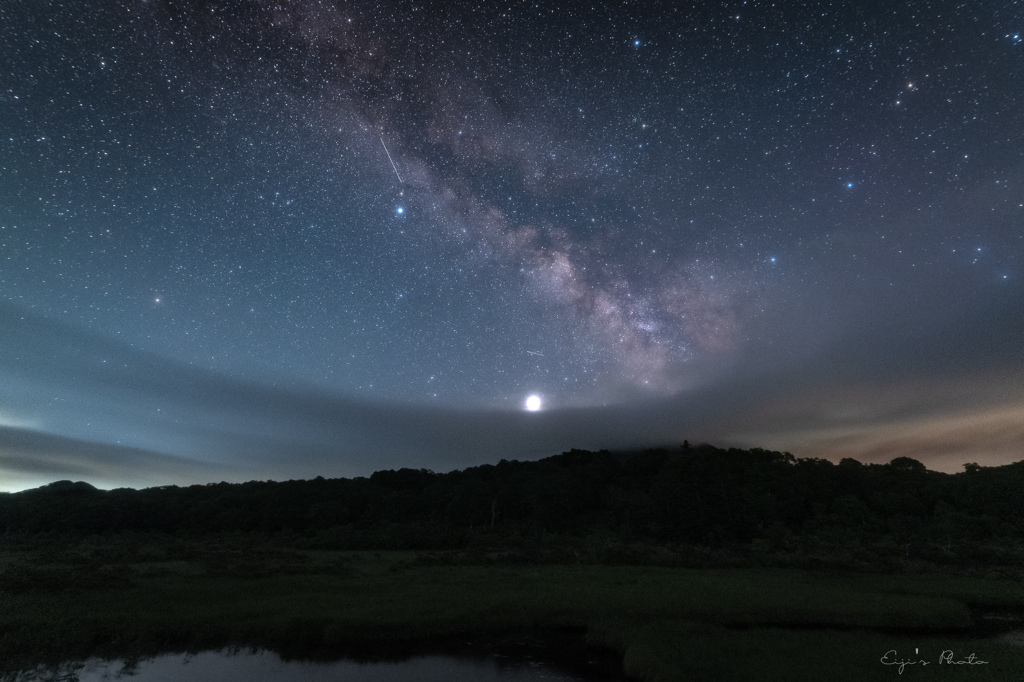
(177, 423)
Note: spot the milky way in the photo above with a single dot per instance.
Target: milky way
(456, 206)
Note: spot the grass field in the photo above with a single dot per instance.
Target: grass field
(667, 623)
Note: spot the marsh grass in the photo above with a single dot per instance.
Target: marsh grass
(660, 651)
(668, 623)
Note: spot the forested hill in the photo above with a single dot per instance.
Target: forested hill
(703, 496)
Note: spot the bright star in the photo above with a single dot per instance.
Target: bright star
(399, 210)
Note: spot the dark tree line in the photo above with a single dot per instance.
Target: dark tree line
(761, 500)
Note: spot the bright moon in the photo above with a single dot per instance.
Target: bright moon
(533, 403)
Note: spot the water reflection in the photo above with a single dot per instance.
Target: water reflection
(265, 666)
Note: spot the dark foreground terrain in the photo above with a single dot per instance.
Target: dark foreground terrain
(689, 563)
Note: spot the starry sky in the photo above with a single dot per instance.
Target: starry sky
(283, 238)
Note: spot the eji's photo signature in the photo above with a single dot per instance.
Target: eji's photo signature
(947, 657)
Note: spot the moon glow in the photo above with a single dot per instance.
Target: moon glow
(533, 403)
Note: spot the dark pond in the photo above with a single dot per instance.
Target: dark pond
(264, 666)
(521, 660)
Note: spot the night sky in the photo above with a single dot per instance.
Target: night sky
(275, 239)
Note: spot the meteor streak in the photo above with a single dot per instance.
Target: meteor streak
(533, 352)
(391, 160)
